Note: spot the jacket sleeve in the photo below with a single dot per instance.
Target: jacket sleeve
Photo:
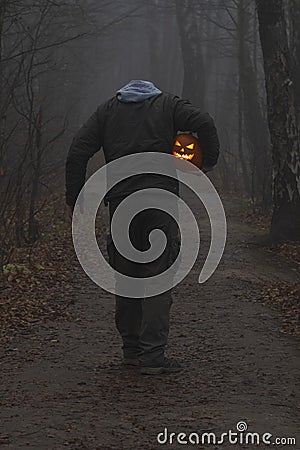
(86, 143)
(189, 118)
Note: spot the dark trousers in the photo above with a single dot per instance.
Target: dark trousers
(143, 323)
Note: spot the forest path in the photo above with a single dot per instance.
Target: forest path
(63, 386)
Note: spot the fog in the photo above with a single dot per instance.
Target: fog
(60, 60)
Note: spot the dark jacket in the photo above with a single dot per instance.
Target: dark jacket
(125, 128)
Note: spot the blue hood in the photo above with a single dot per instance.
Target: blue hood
(137, 91)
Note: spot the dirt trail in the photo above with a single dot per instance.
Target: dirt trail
(63, 386)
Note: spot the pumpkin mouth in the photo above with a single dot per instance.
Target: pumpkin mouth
(186, 156)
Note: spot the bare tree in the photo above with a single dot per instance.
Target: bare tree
(27, 66)
(189, 25)
(282, 118)
(294, 44)
(255, 126)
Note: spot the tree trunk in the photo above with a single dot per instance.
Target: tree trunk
(194, 71)
(241, 62)
(3, 5)
(154, 32)
(33, 226)
(295, 49)
(282, 118)
(255, 125)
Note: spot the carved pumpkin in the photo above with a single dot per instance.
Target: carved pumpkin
(187, 147)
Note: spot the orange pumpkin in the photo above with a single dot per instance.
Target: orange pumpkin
(187, 147)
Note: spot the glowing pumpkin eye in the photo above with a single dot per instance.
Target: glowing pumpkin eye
(177, 144)
(191, 146)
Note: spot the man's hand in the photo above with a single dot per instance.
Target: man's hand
(70, 212)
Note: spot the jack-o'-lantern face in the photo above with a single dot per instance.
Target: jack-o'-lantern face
(187, 147)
